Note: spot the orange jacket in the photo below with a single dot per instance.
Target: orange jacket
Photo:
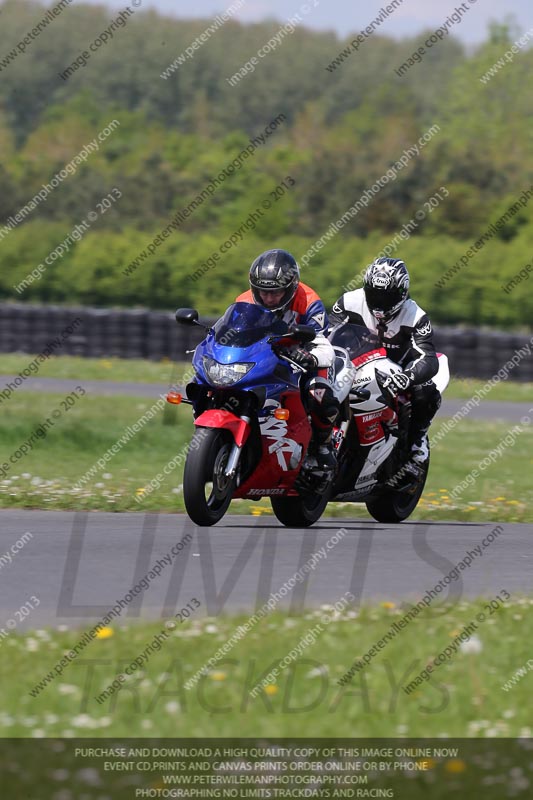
(306, 305)
(306, 308)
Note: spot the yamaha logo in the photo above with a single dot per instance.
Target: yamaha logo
(370, 417)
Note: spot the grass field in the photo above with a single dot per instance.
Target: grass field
(165, 371)
(81, 434)
(104, 369)
(463, 696)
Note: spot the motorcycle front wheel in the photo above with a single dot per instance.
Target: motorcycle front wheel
(300, 512)
(206, 489)
(392, 506)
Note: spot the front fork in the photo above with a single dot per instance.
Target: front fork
(224, 418)
(235, 455)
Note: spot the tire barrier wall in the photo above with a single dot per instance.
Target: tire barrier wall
(154, 335)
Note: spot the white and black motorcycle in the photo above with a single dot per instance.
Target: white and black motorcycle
(371, 438)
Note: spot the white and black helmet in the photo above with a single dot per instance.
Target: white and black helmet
(386, 287)
(274, 271)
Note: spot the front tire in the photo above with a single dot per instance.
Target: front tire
(206, 490)
(300, 512)
(393, 506)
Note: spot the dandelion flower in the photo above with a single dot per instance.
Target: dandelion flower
(455, 766)
(104, 633)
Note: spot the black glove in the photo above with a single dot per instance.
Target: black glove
(302, 357)
(395, 383)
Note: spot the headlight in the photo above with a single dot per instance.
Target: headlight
(225, 374)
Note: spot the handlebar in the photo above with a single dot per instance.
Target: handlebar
(293, 364)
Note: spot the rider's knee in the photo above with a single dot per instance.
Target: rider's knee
(320, 400)
(426, 398)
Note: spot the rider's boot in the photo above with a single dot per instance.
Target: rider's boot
(325, 453)
(319, 465)
(420, 448)
(418, 444)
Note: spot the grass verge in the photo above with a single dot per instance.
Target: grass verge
(46, 475)
(463, 697)
(103, 369)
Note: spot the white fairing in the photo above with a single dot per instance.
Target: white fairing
(377, 454)
(345, 374)
(442, 378)
(364, 377)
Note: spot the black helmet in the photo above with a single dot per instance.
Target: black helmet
(274, 271)
(386, 287)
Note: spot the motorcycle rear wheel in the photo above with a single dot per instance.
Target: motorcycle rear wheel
(301, 511)
(207, 492)
(392, 506)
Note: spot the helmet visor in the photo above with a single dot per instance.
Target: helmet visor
(383, 299)
(284, 295)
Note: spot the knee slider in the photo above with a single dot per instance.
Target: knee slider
(426, 400)
(320, 398)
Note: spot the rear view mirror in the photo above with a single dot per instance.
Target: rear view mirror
(186, 316)
(303, 333)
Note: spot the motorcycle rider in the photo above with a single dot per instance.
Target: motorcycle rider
(384, 306)
(275, 285)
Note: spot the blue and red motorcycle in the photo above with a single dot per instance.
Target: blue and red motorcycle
(252, 431)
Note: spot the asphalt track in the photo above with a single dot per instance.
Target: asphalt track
(487, 410)
(79, 565)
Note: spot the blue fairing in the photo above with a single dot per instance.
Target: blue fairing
(241, 336)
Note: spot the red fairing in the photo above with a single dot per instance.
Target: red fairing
(280, 441)
(369, 425)
(218, 418)
(370, 356)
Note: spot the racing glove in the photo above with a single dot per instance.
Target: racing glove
(396, 383)
(302, 357)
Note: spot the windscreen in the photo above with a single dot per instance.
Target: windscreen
(243, 324)
(356, 339)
